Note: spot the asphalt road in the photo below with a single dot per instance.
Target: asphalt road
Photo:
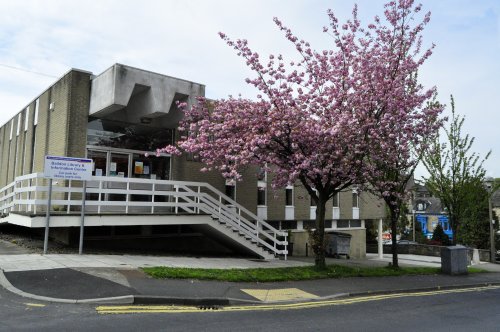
(448, 311)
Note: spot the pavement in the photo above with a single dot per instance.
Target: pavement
(66, 278)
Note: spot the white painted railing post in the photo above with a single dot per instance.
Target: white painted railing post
(24, 191)
(99, 199)
(176, 199)
(36, 185)
(14, 195)
(256, 229)
(198, 200)
(153, 198)
(69, 198)
(286, 246)
(127, 197)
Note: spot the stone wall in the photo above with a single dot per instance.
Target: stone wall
(424, 250)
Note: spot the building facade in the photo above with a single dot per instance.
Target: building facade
(118, 119)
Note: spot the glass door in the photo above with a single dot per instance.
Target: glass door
(119, 167)
(100, 162)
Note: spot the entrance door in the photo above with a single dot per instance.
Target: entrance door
(151, 168)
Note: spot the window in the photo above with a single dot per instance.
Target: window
(261, 196)
(261, 174)
(336, 200)
(313, 203)
(26, 117)
(33, 149)
(289, 196)
(11, 128)
(155, 168)
(99, 162)
(19, 120)
(261, 186)
(355, 200)
(118, 165)
(35, 118)
(231, 191)
(124, 135)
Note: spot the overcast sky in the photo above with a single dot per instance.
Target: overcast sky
(179, 38)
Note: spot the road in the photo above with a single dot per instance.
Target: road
(456, 310)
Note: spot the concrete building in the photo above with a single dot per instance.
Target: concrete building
(118, 117)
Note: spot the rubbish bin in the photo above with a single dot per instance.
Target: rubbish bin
(454, 260)
(338, 244)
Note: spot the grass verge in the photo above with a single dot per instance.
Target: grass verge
(287, 274)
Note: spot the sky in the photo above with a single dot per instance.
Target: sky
(42, 40)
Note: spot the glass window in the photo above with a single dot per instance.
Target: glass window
(19, 120)
(261, 174)
(99, 168)
(26, 117)
(118, 165)
(261, 196)
(124, 135)
(313, 203)
(336, 200)
(33, 150)
(230, 191)
(355, 223)
(343, 223)
(151, 167)
(289, 196)
(35, 118)
(355, 200)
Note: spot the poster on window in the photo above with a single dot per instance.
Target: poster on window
(139, 167)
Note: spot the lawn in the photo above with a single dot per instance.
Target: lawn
(287, 274)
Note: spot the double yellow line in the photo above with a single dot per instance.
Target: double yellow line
(173, 309)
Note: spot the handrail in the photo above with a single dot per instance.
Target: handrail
(25, 194)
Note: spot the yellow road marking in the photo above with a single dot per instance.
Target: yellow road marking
(35, 305)
(284, 294)
(290, 306)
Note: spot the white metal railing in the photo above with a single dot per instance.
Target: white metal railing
(29, 194)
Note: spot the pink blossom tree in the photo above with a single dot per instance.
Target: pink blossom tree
(318, 118)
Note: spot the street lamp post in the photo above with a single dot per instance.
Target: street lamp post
(488, 182)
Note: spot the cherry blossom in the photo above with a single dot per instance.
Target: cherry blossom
(328, 119)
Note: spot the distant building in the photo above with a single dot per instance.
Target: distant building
(495, 202)
(428, 211)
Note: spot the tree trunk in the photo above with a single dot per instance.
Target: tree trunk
(394, 231)
(320, 236)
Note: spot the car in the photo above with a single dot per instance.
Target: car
(406, 242)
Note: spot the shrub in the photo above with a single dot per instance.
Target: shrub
(440, 236)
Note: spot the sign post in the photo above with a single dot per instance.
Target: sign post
(47, 219)
(66, 168)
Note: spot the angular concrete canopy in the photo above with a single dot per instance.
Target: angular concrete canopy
(136, 95)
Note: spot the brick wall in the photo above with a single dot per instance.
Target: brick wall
(61, 131)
